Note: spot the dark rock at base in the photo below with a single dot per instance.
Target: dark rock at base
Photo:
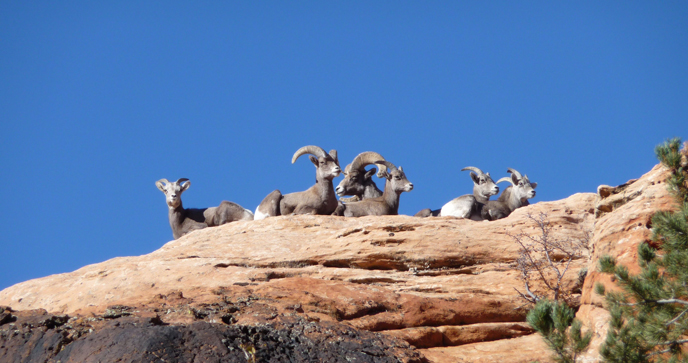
(139, 339)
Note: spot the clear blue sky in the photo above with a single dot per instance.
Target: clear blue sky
(98, 100)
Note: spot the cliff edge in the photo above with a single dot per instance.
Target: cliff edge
(437, 289)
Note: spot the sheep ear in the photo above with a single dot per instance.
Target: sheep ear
(534, 185)
(475, 178)
(514, 179)
(185, 186)
(160, 185)
(383, 174)
(333, 154)
(314, 160)
(369, 173)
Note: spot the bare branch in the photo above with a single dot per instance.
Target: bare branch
(540, 258)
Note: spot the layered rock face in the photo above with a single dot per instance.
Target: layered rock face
(623, 222)
(362, 288)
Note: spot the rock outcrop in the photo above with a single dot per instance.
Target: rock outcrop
(623, 222)
(293, 285)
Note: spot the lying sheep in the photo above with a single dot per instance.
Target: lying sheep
(467, 206)
(357, 181)
(184, 221)
(387, 203)
(318, 199)
(514, 196)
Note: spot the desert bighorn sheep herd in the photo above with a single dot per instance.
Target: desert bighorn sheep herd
(367, 199)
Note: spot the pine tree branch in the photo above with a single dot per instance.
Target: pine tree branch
(660, 302)
(671, 301)
(667, 350)
(673, 342)
(674, 320)
(659, 352)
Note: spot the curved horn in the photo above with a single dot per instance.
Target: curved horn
(181, 180)
(366, 158)
(163, 180)
(387, 164)
(506, 178)
(515, 172)
(473, 168)
(310, 149)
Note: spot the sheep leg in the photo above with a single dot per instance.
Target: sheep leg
(303, 209)
(339, 211)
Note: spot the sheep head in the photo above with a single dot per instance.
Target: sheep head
(327, 165)
(522, 187)
(396, 178)
(356, 177)
(483, 185)
(173, 191)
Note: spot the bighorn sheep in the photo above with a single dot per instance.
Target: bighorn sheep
(514, 196)
(318, 199)
(184, 221)
(387, 203)
(468, 206)
(357, 181)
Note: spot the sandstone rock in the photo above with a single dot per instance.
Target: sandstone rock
(452, 335)
(624, 221)
(526, 349)
(445, 285)
(434, 257)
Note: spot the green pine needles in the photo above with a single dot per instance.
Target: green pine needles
(649, 316)
(551, 319)
(671, 156)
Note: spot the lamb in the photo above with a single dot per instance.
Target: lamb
(387, 203)
(184, 221)
(514, 196)
(318, 199)
(357, 181)
(468, 206)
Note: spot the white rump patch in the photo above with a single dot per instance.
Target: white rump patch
(259, 215)
(455, 208)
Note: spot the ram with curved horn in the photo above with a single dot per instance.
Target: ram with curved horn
(357, 181)
(186, 220)
(318, 199)
(514, 196)
(386, 204)
(468, 206)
